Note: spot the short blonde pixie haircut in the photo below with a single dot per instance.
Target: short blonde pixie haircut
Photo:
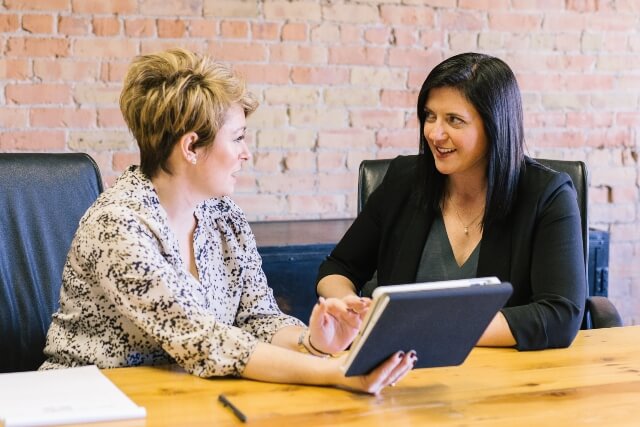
(168, 94)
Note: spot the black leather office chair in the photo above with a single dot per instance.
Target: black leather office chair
(600, 312)
(42, 198)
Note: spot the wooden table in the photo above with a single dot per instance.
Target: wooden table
(594, 382)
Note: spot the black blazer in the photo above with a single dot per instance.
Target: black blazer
(538, 248)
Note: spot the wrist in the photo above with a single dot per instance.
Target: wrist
(305, 345)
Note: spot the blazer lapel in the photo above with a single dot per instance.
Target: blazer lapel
(495, 251)
(406, 263)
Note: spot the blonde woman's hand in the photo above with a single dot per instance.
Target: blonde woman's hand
(335, 322)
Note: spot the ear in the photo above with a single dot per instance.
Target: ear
(186, 147)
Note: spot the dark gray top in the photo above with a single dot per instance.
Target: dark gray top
(438, 262)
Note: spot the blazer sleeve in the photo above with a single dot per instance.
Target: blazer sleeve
(557, 274)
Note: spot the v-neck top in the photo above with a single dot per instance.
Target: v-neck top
(438, 261)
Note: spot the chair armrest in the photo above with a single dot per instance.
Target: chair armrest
(603, 313)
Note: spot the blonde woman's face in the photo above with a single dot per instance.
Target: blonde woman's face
(222, 160)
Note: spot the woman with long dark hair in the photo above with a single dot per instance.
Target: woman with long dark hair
(471, 204)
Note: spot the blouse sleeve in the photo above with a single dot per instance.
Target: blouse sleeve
(131, 269)
(258, 312)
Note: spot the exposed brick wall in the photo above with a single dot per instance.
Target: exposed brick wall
(337, 82)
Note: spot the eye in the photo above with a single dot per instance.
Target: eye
(456, 121)
(239, 139)
(429, 116)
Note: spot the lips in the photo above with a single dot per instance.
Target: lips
(444, 151)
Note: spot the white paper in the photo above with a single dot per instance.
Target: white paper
(62, 396)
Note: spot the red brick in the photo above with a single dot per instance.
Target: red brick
(268, 162)
(561, 138)
(299, 10)
(609, 138)
(544, 119)
(238, 51)
(152, 45)
(482, 5)
(38, 93)
(37, 24)
(378, 35)
(628, 119)
(264, 73)
(356, 13)
(287, 183)
(325, 32)
(587, 119)
(13, 118)
(375, 119)
(106, 26)
(65, 69)
(538, 4)
(105, 48)
(32, 47)
(206, 28)
(300, 161)
(407, 15)
(231, 8)
(32, 140)
(350, 34)
(399, 98)
(171, 28)
(405, 36)
(234, 29)
(359, 55)
(170, 8)
(304, 54)
(73, 25)
(516, 22)
(564, 21)
(265, 31)
(612, 22)
(140, 27)
(319, 75)
(294, 31)
(9, 23)
(122, 160)
(415, 58)
(346, 139)
(337, 182)
(14, 69)
(461, 20)
(331, 161)
(53, 5)
(110, 118)
(62, 117)
(398, 138)
(316, 204)
(114, 71)
(103, 7)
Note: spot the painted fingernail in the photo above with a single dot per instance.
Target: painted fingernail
(400, 354)
(412, 353)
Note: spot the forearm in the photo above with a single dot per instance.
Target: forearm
(336, 286)
(272, 363)
(497, 334)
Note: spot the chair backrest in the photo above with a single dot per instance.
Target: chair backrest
(372, 172)
(42, 198)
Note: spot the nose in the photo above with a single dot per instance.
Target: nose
(435, 131)
(245, 154)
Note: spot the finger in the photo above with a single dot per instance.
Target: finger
(378, 379)
(402, 369)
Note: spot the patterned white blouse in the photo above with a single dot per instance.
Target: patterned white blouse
(127, 298)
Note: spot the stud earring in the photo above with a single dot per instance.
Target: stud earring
(193, 160)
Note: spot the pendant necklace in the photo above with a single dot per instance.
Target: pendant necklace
(465, 227)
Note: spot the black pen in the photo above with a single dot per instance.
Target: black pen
(237, 412)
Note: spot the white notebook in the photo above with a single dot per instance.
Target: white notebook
(62, 396)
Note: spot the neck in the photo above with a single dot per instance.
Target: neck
(467, 191)
(176, 197)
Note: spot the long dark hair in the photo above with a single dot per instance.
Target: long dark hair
(491, 87)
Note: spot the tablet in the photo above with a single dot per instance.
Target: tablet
(441, 321)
